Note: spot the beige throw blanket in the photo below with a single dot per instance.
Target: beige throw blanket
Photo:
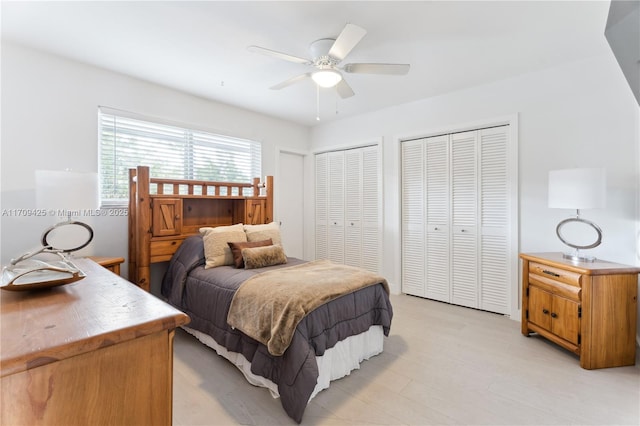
(268, 306)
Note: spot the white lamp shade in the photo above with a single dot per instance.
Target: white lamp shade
(66, 192)
(326, 78)
(583, 188)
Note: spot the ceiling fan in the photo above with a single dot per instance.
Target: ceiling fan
(327, 53)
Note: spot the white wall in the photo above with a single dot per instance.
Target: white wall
(49, 121)
(578, 115)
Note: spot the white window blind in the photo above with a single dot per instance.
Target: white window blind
(170, 152)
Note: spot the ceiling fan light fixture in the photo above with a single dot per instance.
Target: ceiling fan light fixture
(326, 78)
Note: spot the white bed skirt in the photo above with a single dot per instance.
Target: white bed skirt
(336, 362)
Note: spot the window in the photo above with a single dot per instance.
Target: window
(171, 152)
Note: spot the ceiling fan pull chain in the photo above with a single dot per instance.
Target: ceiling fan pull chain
(317, 102)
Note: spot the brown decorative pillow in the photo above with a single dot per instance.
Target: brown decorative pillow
(259, 257)
(216, 249)
(236, 250)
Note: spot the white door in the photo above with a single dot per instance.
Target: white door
(413, 190)
(495, 270)
(371, 209)
(290, 199)
(464, 218)
(336, 206)
(437, 212)
(353, 207)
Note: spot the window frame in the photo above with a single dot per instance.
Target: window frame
(199, 144)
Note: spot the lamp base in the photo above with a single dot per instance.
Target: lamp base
(577, 257)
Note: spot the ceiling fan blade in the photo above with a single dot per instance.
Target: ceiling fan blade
(344, 90)
(290, 81)
(279, 55)
(346, 41)
(390, 69)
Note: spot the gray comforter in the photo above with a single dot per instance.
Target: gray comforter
(205, 295)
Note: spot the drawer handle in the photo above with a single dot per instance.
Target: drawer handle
(553, 274)
(545, 311)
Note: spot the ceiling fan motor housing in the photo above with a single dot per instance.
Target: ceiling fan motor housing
(319, 50)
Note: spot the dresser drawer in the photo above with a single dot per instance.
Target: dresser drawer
(555, 274)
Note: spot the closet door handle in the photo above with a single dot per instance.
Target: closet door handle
(554, 315)
(545, 311)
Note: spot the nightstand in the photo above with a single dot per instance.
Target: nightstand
(588, 308)
(111, 263)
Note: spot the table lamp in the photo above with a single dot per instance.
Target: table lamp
(578, 189)
(58, 193)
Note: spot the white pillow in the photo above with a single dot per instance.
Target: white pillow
(216, 247)
(263, 232)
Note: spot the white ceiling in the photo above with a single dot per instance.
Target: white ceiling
(201, 47)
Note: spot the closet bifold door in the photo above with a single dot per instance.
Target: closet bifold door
(336, 206)
(437, 243)
(353, 207)
(321, 206)
(464, 217)
(413, 221)
(348, 207)
(371, 220)
(494, 223)
(456, 212)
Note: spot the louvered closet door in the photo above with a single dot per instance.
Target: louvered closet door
(464, 217)
(413, 218)
(494, 220)
(353, 207)
(371, 209)
(336, 207)
(437, 219)
(321, 202)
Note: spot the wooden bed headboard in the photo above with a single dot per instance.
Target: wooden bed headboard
(163, 212)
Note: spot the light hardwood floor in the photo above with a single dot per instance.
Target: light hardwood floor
(441, 364)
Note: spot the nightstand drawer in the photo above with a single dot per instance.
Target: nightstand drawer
(555, 274)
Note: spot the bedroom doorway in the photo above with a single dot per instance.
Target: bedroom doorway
(290, 202)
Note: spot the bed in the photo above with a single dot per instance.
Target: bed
(322, 339)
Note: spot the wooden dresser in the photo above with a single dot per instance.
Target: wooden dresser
(95, 352)
(589, 308)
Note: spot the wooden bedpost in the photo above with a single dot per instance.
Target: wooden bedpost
(132, 225)
(143, 229)
(256, 186)
(269, 194)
